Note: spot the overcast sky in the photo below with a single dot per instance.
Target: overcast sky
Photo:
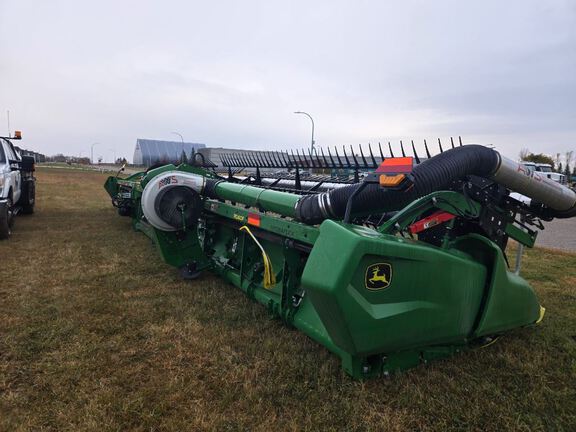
(231, 73)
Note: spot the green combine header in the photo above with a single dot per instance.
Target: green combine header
(387, 270)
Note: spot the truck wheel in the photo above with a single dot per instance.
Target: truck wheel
(6, 219)
(28, 198)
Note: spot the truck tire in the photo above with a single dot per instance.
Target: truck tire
(6, 219)
(28, 198)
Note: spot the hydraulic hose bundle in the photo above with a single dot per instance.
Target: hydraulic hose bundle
(438, 173)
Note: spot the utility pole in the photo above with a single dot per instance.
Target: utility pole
(312, 120)
(181, 139)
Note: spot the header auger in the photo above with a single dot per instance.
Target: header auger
(387, 269)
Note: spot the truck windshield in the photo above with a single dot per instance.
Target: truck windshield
(2, 155)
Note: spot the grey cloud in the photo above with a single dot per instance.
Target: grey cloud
(231, 73)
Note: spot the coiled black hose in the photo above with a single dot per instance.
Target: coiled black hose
(436, 173)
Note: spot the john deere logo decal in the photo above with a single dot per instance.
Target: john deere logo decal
(378, 276)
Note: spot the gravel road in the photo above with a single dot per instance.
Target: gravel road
(558, 234)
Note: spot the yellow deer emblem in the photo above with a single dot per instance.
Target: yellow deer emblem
(377, 277)
(381, 274)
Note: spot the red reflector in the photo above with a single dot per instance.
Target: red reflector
(430, 221)
(254, 219)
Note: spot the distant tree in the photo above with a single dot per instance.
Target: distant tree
(524, 154)
(557, 159)
(559, 168)
(568, 155)
(539, 158)
(183, 158)
(59, 158)
(100, 159)
(574, 171)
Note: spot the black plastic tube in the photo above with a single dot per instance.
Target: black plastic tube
(434, 174)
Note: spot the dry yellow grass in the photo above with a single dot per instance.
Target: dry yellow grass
(98, 334)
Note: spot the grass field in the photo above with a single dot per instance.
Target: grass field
(96, 333)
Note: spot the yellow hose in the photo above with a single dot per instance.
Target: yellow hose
(269, 277)
(541, 317)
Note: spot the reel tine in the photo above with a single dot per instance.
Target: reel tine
(245, 160)
(363, 158)
(297, 165)
(299, 158)
(460, 139)
(277, 158)
(440, 146)
(264, 159)
(318, 159)
(286, 164)
(311, 157)
(338, 156)
(414, 151)
(380, 149)
(452, 142)
(390, 148)
(291, 159)
(308, 161)
(402, 148)
(354, 156)
(346, 156)
(259, 162)
(250, 160)
(331, 160)
(427, 151)
(321, 159)
(326, 165)
(272, 160)
(374, 165)
(269, 159)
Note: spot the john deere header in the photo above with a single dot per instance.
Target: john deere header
(403, 267)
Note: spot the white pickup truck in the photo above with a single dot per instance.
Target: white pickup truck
(546, 170)
(17, 185)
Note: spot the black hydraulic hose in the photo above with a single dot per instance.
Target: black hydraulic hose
(434, 174)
